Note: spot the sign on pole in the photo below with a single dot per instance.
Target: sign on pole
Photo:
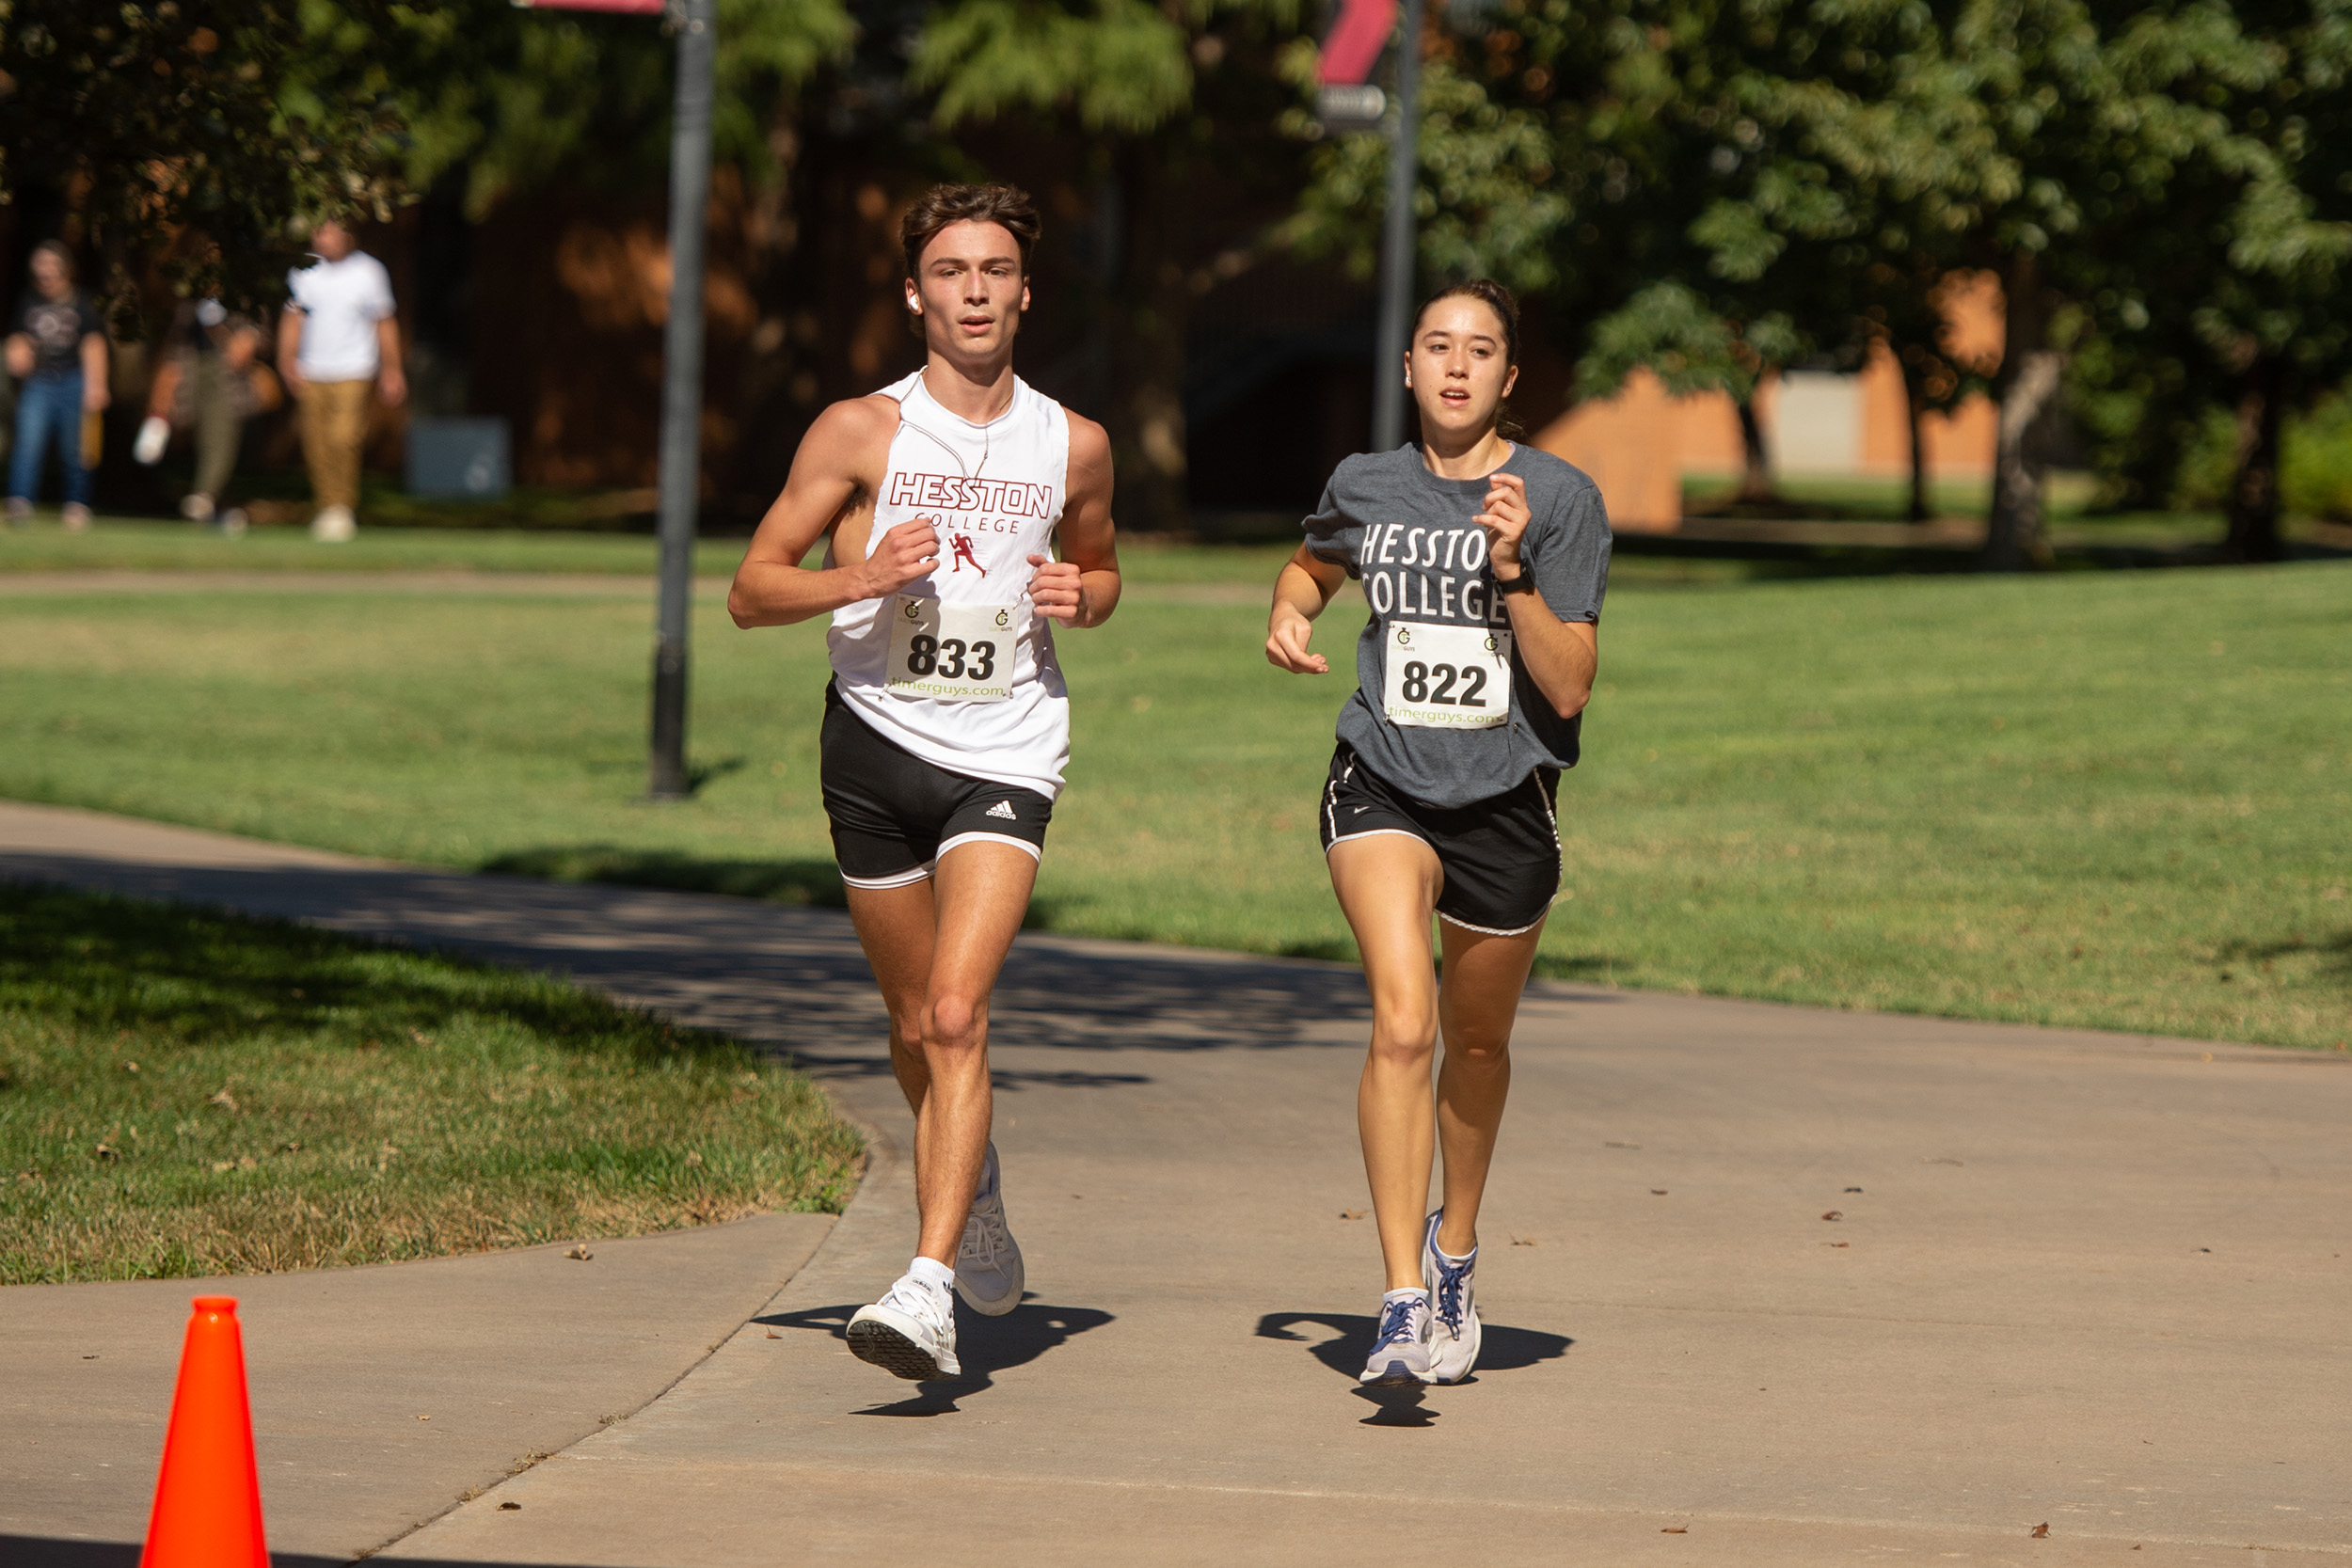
(681, 370)
(1345, 98)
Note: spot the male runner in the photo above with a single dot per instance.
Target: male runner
(946, 722)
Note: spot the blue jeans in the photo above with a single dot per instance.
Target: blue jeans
(49, 408)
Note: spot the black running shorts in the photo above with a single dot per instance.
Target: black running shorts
(1501, 856)
(894, 815)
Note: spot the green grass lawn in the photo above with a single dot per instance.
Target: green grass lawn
(2113, 799)
(190, 1094)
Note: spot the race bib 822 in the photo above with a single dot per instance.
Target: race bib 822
(1446, 677)
(958, 653)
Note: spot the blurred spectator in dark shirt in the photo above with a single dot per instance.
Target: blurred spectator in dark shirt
(58, 347)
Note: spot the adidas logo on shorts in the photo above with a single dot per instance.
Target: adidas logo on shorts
(1003, 809)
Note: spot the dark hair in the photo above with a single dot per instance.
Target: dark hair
(1506, 308)
(935, 209)
(1495, 298)
(62, 251)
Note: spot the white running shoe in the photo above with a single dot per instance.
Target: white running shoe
(909, 1333)
(989, 1273)
(334, 525)
(154, 434)
(1400, 1351)
(1454, 1331)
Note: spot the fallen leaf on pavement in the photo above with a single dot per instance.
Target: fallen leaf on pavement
(2040, 1532)
(773, 1334)
(1620, 1146)
(1351, 1213)
(1658, 1192)
(1837, 1243)
(1854, 1188)
(1675, 1529)
(580, 1251)
(510, 1508)
(1833, 1214)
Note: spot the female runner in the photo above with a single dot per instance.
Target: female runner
(1484, 562)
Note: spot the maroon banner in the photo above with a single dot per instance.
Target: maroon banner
(1352, 49)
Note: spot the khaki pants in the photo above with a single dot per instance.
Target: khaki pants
(334, 428)
(218, 426)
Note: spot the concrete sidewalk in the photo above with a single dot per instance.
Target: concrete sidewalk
(381, 1396)
(2089, 1280)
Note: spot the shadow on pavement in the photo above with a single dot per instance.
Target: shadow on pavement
(984, 1345)
(34, 1551)
(1500, 1349)
(769, 973)
(1397, 1407)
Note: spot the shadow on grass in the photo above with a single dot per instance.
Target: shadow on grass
(2334, 951)
(1769, 559)
(808, 884)
(99, 962)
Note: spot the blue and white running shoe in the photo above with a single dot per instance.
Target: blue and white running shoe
(1400, 1351)
(1455, 1332)
(989, 1271)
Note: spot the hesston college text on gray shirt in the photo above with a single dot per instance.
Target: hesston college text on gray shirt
(1408, 535)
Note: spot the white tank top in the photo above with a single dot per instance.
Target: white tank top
(995, 492)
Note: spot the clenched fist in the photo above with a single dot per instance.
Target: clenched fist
(1056, 589)
(1505, 518)
(908, 551)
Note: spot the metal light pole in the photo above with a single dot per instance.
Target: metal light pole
(1398, 245)
(682, 395)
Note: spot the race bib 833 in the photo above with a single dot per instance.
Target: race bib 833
(957, 653)
(1446, 677)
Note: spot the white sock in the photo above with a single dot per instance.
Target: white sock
(932, 1273)
(1410, 1291)
(1457, 1262)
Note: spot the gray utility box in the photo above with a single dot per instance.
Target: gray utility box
(463, 458)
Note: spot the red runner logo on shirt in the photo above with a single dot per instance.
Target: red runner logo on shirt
(962, 543)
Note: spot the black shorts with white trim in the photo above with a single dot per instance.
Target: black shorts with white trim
(894, 815)
(1501, 855)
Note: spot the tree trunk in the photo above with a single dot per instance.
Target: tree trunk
(1147, 316)
(1755, 473)
(1915, 403)
(2014, 536)
(2254, 493)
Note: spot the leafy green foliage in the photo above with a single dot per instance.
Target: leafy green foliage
(165, 121)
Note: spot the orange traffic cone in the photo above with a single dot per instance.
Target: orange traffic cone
(208, 1500)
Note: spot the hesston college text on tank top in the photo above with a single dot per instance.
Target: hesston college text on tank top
(957, 667)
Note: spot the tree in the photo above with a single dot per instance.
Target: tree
(160, 132)
(1178, 101)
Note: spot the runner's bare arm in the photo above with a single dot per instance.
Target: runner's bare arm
(1560, 656)
(1302, 593)
(835, 476)
(1082, 588)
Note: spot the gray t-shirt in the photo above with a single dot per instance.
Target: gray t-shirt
(1408, 535)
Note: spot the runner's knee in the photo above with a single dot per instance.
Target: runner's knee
(955, 1021)
(1479, 1053)
(1403, 1035)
